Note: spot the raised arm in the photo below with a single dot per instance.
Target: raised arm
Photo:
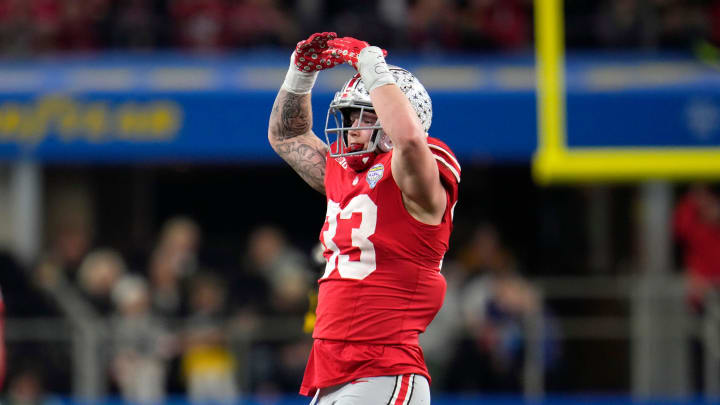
(413, 165)
(290, 127)
(291, 136)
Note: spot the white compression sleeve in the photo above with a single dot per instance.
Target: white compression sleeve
(298, 82)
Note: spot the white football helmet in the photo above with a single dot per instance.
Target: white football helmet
(354, 96)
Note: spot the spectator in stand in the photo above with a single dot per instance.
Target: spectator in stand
(135, 25)
(258, 22)
(27, 387)
(208, 364)
(681, 23)
(166, 285)
(352, 18)
(180, 241)
(713, 15)
(55, 277)
(173, 261)
(199, 23)
(46, 24)
(495, 303)
(285, 270)
(26, 299)
(142, 346)
(432, 24)
(211, 25)
(15, 35)
(696, 223)
(98, 274)
(697, 229)
(70, 240)
(620, 23)
(276, 281)
(67, 24)
(496, 24)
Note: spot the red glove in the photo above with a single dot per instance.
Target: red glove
(346, 49)
(310, 56)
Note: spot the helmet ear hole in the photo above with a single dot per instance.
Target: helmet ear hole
(384, 143)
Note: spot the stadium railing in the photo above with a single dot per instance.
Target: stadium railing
(88, 367)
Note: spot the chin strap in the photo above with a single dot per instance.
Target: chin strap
(360, 162)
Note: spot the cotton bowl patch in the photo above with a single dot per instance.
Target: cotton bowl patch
(375, 174)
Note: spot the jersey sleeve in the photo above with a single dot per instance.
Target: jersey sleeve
(448, 166)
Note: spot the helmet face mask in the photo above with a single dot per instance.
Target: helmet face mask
(344, 124)
(354, 96)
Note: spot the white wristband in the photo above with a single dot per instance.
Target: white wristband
(373, 69)
(298, 82)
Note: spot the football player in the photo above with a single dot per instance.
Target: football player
(391, 191)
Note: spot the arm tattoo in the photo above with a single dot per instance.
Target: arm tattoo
(306, 159)
(291, 115)
(291, 137)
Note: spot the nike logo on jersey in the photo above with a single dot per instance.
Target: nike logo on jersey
(358, 381)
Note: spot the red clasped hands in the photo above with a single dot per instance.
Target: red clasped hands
(311, 54)
(346, 50)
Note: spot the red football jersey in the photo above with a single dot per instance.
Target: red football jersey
(382, 284)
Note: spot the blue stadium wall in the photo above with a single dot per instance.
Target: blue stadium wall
(121, 108)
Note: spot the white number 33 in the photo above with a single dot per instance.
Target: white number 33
(355, 269)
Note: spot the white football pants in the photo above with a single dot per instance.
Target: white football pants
(408, 389)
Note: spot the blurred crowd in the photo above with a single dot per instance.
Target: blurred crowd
(170, 322)
(173, 325)
(39, 26)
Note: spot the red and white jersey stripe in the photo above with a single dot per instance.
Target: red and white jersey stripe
(448, 165)
(444, 155)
